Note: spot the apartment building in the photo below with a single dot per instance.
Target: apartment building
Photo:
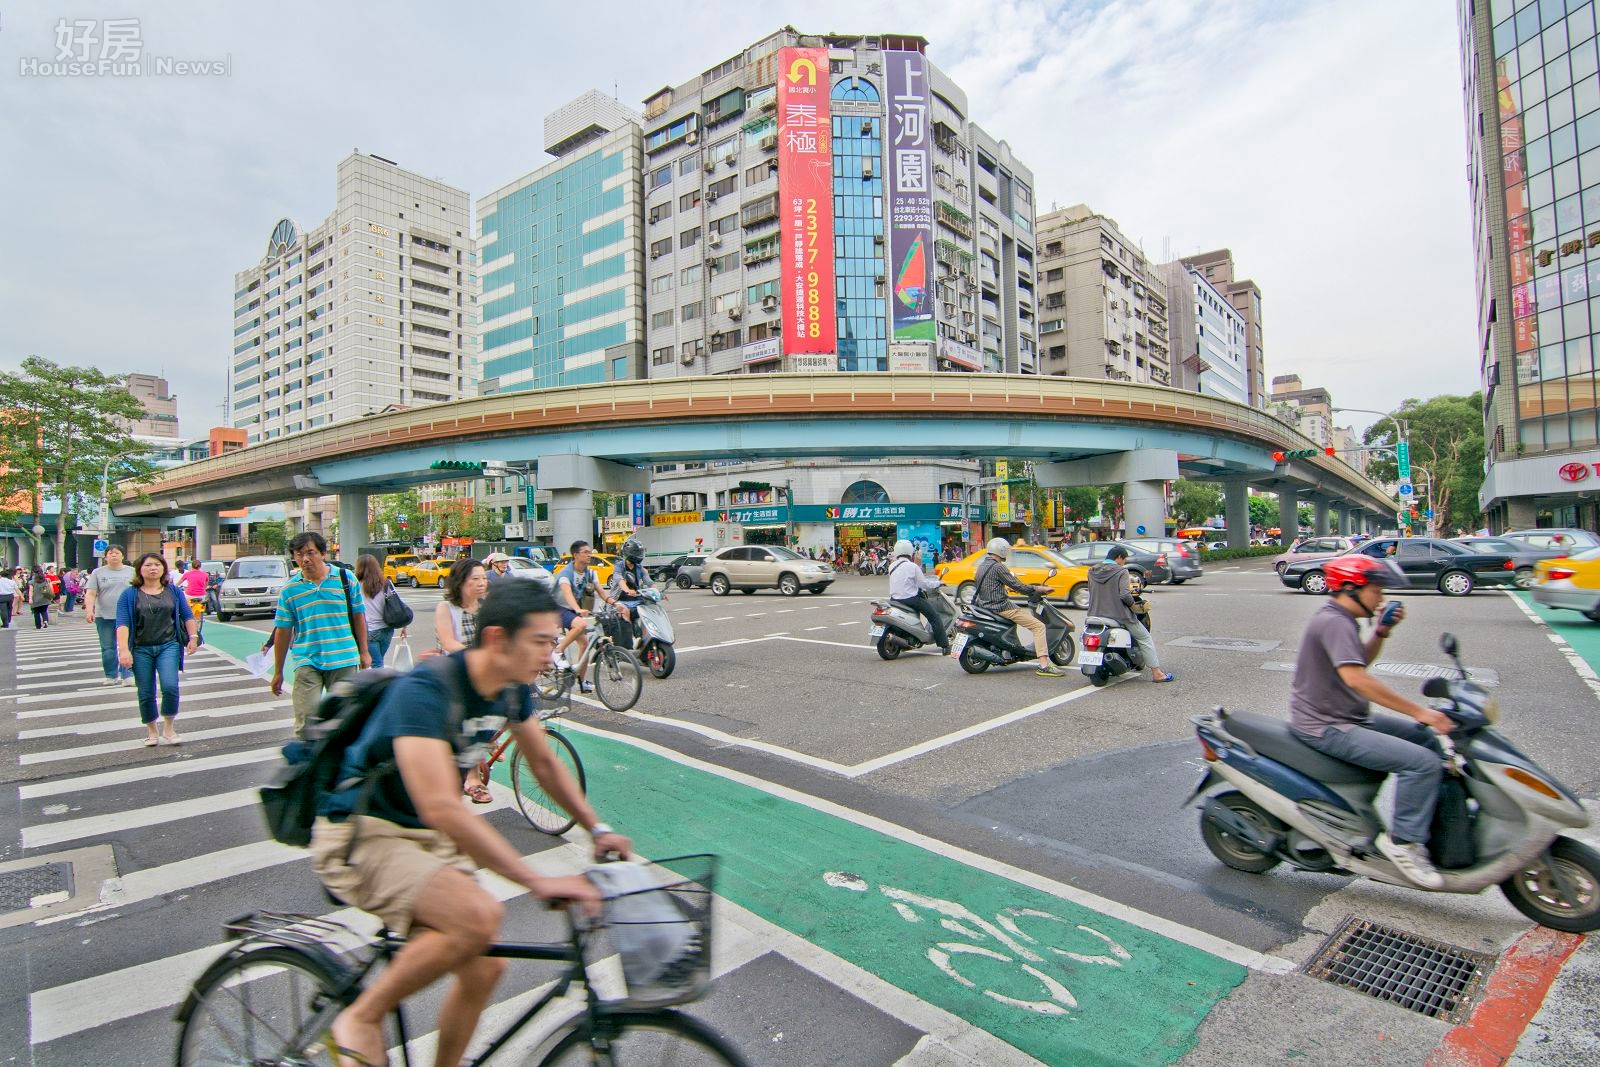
(1245, 295)
(1208, 336)
(159, 424)
(1309, 408)
(1103, 311)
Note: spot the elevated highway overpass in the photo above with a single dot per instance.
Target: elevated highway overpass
(606, 437)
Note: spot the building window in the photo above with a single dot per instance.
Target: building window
(663, 284)
(726, 224)
(660, 176)
(689, 200)
(661, 319)
(688, 237)
(660, 356)
(688, 163)
(865, 492)
(723, 187)
(689, 311)
(661, 248)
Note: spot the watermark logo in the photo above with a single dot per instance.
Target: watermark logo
(114, 48)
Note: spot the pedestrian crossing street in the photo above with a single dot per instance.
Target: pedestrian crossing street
(184, 837)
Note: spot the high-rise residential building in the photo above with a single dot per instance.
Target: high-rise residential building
(1103, 310)
(1208, 336)
(159, 424)
(372, 308)
(1245, 296)
(751, 165)
(563, 257)
(1310, 408)
(1531, 88)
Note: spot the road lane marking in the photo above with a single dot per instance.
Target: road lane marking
(164, 769)
(115, 726)
(811, 628)
(59, 682)
(1574, 658)
(106, 696)
(135, 818)
(77, 751)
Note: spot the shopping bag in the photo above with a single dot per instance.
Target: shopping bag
(399, 657)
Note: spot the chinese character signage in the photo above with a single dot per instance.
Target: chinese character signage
(637, 508)
(908, 202)
(805, 199)
(1002, 494)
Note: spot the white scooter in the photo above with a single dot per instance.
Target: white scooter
(654, 629)
(1107, 651)
(896, 628)
(1499, 819)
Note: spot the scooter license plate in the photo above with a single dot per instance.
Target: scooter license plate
(876, 631)
(958, 644)
(1091, 659)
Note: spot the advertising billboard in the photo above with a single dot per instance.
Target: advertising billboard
(908, 205)
(805, 201)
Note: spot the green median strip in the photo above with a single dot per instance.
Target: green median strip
(1058, 980)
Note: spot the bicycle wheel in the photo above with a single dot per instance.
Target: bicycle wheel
(268, 1005)
(618, 678)
(623, 1038)
(541, 811)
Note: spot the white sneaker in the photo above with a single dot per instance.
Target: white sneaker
(127, 681)
(1413, 861)
(559, 661)
(108, 681)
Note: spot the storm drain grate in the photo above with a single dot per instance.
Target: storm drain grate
(1422, 975)
(18, 889)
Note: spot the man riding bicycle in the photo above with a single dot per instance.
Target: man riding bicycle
(404, 847)
(573, 583)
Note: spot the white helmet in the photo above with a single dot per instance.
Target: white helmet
(903, 547)
(1000, 547)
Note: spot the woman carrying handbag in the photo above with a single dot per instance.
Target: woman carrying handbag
(386, 612)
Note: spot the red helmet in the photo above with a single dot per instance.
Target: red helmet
(1354, 570)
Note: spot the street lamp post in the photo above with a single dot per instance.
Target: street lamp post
(1403, 449)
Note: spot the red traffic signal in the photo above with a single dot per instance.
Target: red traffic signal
(1329, 451)
(1277, 457)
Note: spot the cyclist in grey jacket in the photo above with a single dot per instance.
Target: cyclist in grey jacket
(993, 579)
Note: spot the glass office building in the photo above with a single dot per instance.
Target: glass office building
(858, 235)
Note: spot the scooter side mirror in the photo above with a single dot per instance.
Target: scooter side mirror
(1447, 642)
(1052, 572)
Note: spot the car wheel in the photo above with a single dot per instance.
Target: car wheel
(1178, 581)
(719, 584)
(1079, 597)
(817, 589)
(224, 616)
(788, 585)
(684, 582)
(1455, 583)
(1524, 578)
(1278, 567)
(1314, 582)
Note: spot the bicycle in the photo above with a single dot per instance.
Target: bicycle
(537, 806)
(618, 679)
(272, 999)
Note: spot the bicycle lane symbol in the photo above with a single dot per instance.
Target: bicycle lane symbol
(1025, 951)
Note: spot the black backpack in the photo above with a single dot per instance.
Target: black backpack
(310, 770)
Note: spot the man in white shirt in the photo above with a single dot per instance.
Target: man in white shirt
(907, 583)
(8, 595)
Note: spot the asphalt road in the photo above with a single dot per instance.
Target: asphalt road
(834, 783)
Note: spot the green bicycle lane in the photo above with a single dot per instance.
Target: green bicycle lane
(1577, 631)
(1059, 980)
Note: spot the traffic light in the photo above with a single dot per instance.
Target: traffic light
(1299, 453)
(1330, 451)
(456, 465)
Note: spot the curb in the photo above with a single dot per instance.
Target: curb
(1511, 999)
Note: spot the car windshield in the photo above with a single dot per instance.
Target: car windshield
(783, 553)
(259, 568)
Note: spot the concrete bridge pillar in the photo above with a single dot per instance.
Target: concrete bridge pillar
(572, 481)
(1319, 507)
(1236, 508)
(205, 532)
(1288, 516)
(571, 517)
(1144, 475)
(353, 536)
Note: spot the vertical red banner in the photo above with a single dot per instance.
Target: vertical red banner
(805, 201)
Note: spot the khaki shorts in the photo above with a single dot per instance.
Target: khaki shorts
(388, 867)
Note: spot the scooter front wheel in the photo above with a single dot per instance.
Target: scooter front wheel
(1064, 653)
(971, 662)
(1229, 849)
(660, 658)
(1563, 891)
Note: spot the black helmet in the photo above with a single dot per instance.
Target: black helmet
(632, 550)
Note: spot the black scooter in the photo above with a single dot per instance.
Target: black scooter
(984, 639)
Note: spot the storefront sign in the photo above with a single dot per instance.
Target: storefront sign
(619, 524)
(964, 355)
(1002, 494)
(908, 205)
(748, 515)
(761, 351)
(805, 199)
(636, 509)
(910, 358)
(844, 513)
(814, 364)
(1575, 472)
(675, 518)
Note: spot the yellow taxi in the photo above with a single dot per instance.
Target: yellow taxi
(1030, 564)
(602, 563)
(397, 568)
(429, 572)
(1571, 582)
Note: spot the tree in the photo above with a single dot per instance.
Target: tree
(62, 427)
(387, 511)
(270, 534)
(1447, 442)
(1263, 511)
(1195, 502)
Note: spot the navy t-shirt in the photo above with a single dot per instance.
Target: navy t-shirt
(418, 705)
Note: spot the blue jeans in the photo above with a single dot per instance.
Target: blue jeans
(107, 630)
(378, 644)
(1403, 747)
(152, 663)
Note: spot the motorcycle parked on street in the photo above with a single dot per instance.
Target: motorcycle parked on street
(1107, 651)
(896, 628)
(653, 634)
(1498, 821)
(984, 639)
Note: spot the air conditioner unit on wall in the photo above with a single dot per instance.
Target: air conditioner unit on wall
(714, 239)
(735, 313)
(711, 165)
(686, 358)
(691, 138)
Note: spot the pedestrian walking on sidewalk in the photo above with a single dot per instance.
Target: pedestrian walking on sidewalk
(154, 629)
(71, 588)
(100, 595)
(8, 597)
(321, 616)
(375, 591)
(40, 594)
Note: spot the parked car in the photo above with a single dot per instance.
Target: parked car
(1523, 555)
(666, 570)
(397, 568)
(1031, 564)
(599, 562)
(691, 572)
(751, 567)
(251, 586)
(545, 556)
(1150, 566)
(1564, 539)
(1571, 582)
(1429, 563)
(1312, 548)
(1182, 557)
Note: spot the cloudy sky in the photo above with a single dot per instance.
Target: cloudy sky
(1322, 141)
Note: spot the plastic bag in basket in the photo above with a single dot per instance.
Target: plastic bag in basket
(645, 926)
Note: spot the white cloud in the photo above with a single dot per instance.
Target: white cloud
(1322, 142)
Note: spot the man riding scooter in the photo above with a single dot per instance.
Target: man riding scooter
(1329, 709)
(631, 579)
(1111, 596)
(907, 584)
(993, 579)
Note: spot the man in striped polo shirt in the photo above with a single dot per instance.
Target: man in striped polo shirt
(320, 611)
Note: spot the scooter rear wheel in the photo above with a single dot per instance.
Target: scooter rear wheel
(1540, 897)
(887, 650)
(971, 662)
(1229, 849)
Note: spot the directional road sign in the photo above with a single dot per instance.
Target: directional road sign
(100, 546)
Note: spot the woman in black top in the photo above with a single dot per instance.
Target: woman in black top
(40, 596)
(151, 616)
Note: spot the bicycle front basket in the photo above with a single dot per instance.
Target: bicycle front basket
(661, 931)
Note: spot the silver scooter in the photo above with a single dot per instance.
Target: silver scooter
(654, 633)
(896, 628)
(1107, 651)
(1499, 820)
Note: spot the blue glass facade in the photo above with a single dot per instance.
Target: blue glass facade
(541, 226)
(858, 258)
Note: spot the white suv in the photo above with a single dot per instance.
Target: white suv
(751, 567)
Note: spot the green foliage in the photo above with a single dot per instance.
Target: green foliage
(1447, 442)
(62, 426)
(1195, 502)
(386, 511)
(1263, 511)
(271, 534)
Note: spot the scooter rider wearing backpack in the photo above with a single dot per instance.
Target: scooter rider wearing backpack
(907, 584)
(402, 845)
(993, 579)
